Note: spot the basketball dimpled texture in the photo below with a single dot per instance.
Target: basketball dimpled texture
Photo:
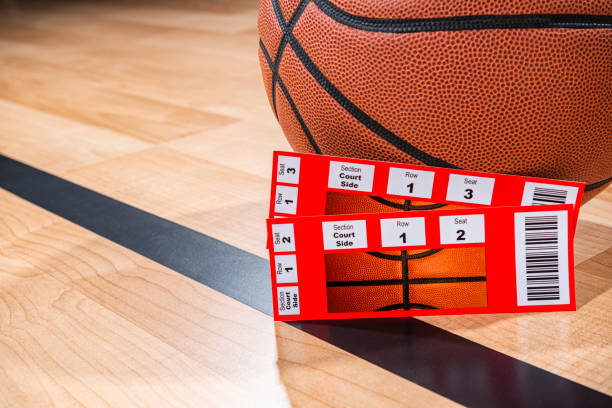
(437, 272)
(528, 101)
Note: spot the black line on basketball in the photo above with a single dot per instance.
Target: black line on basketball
(405, 281)
(355, 111)
(419, 255)
(399, 306)
(406, 207)
(598, 184)
(283, 42)
(412, 281)
(477, 22)
(294, 108)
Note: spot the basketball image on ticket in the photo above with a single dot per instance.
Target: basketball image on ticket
(310, 184)
(502, 259)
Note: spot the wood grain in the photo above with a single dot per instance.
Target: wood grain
(85, 322)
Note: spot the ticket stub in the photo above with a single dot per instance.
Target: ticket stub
(457, 261)
(310, 184)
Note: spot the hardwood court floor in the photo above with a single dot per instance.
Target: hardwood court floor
(161, 106)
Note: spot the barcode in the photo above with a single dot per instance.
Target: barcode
(547, 196)
(542, 258)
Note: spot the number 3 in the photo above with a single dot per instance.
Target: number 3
(469, 193)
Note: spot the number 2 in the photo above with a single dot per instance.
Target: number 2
(469, 193)
(460, 235)
(286, 240)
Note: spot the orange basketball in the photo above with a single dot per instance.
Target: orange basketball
(413, 279)
(491, 85)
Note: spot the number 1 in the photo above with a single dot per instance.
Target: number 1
(403, 237)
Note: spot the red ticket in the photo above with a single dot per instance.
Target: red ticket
(310, 184)
(457, 261)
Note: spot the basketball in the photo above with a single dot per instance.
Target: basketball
(508, 87)
(411, 279)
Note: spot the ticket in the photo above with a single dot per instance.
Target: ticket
(310, 184)
(457, 261)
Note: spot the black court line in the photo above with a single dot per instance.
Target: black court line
(241, 275)
(445, 363)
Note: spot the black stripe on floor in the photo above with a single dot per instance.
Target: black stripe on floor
(447, 364)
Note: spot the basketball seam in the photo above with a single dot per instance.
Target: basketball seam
(401, 305)
(473, 22)
(388, 203)
(598, 184)
(292, 104)
(359, 114)
(405, 282)
(415, 281)
(390, 257)
(353, 109)
(283, 42)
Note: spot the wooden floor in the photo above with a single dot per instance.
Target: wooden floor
(162, 107)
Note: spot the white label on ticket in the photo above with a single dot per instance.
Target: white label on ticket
(351, 176)
(547, 194)
(410, 183)
(402, 231)
(462, 229)
(541, 251)
(288, 170)
(345, 234)
(286, 268)
(283, 237)
(286, 200)
(288, 300)
(470, 189)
